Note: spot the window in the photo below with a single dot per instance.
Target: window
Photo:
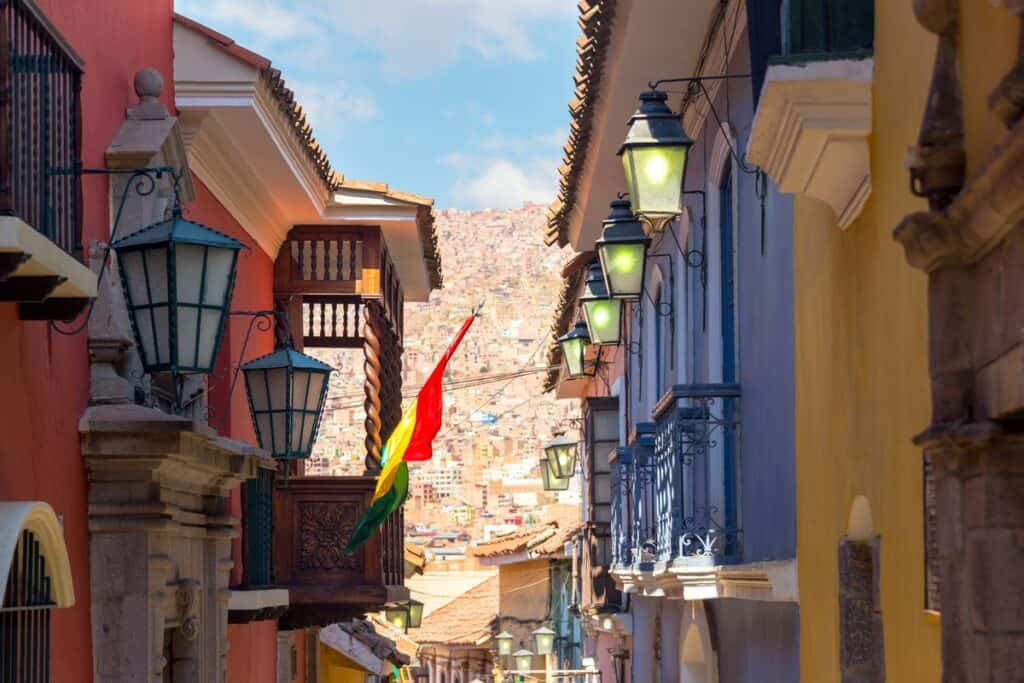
(727, 264)
(25, 615)
(659, 347)
(40, 136)
(932, 597)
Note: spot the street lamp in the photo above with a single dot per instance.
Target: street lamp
(524, 660)
(544, 640)
(548, 478)
(654, 157)
(622, 250)
(415, 613)
(561, 454)
(504, 640)
(177, 278)
(287, 390)
(602, 313)
(398, 617)
(574, 350)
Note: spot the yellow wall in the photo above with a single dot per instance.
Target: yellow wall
(336, 668)
(862, 388)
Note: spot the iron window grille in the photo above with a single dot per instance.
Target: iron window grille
(25, 616)
(258, 498)
(40, 125)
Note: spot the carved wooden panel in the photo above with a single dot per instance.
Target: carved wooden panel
(324, 529)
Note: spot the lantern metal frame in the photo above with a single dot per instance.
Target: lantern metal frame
(172, 232)
(595, 293)
(579, 331)
(622, 229)
(555, 448)
(547, 646)
(549, 480)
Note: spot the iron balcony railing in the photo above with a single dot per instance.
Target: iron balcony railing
(40, 125)
(814, 30)
(258, 529)
(621, 464)
(696, 475)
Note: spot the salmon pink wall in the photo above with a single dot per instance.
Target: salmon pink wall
(45, 375)
(254, 291)
(252, 657)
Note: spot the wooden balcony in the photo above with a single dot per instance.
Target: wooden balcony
(313, 520)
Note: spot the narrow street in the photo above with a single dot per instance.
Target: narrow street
(464, 341)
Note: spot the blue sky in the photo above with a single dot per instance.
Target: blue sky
(460, 100)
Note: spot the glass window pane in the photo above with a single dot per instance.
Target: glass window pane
(188, 264)
(156, 272)
(218, 275)
(211, 320)
(187, 318)
(256, 385)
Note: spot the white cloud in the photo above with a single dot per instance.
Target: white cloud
(420, 36)
(270, 19)
(502, 184)
(331, 104)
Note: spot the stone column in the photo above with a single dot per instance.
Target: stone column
(671, 617)
(971, 245)
(159, 545)
(642, 660)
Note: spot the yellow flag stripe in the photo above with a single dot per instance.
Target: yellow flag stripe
(394, 452)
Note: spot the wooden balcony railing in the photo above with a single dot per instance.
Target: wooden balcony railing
(313, 519)
(40, 125)
(815, 30)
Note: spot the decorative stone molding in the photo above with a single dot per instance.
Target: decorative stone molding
(810, 133)
(763, 581)
(160, 542)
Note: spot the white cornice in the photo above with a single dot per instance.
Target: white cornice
(774, 581)
(811, 131)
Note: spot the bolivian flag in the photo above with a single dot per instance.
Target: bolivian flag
(409, 442)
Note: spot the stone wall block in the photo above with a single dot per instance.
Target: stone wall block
(994, 561)
(948, 493)
(994, 499)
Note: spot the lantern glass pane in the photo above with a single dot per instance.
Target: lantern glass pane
(603, 317)
(573, 352)
(202, 277)
(415, 613)
(654, 174)
(544, 642)
(504, 646)
(256, 384)
(219, 264)
(563, 463)
(623, 267)
(524, 660)
(145, 277)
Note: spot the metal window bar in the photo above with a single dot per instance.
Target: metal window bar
(827, 29)
(645, 528)
(622, 507)
(697, 473)
(25, 616)
(258, 495)
(40, 125)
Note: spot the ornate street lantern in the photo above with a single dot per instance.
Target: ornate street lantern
(415, 613)
(603, 314)
(654, 157)
(524, 660)
(622, 250)
(504, 640)
(177, 278)
(561, 454)
(549, 480)
(544, 640)
(574, 351)
(397, 617)
(287, 390)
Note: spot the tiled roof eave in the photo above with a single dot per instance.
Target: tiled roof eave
(595, 19)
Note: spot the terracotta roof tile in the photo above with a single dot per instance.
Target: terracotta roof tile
(538, 541)
(595, 21)
(464, 620)
(572, 278)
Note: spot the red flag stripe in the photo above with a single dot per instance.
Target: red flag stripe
(430, 405)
